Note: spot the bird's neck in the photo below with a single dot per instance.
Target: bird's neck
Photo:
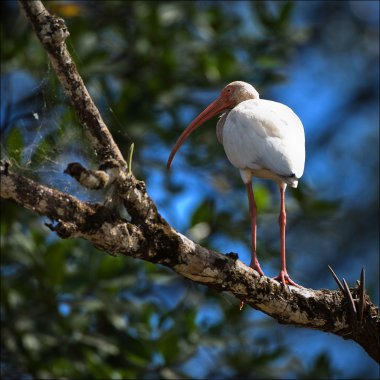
(220, 126)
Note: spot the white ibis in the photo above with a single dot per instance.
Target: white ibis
(261, 138)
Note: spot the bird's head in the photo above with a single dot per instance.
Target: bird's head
(231, 95)
(236, 92)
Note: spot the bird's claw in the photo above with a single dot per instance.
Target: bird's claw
(356, 313)
(284, 279)
(256, 266)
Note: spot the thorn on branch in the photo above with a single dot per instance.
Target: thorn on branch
(336, 279)
(130, 155)
(356, 313)
(361, 291)
(351, 303)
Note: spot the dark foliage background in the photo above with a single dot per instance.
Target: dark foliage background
(71, 311)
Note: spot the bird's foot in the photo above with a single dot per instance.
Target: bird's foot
(284, 279)
(254, 264)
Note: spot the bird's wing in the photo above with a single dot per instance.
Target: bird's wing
(261, 134)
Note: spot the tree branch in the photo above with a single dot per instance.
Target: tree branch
(323, 310)
(52, 33)
(149, 237)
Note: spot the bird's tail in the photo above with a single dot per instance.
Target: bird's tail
(291, 180)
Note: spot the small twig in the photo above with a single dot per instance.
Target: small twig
(130, 154)
(356, 314)
(361, 292)
(349, 298)
(336, 279)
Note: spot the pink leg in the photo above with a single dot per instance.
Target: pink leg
(254, 264)
(252, 210)
(283, 276)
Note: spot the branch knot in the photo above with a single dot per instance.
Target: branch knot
(54, 30)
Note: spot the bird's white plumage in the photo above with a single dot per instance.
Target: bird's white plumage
(264, 139)
(261, 138)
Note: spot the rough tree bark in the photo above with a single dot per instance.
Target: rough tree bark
(147, 236)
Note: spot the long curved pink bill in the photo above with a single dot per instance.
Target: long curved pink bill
(213, 109)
